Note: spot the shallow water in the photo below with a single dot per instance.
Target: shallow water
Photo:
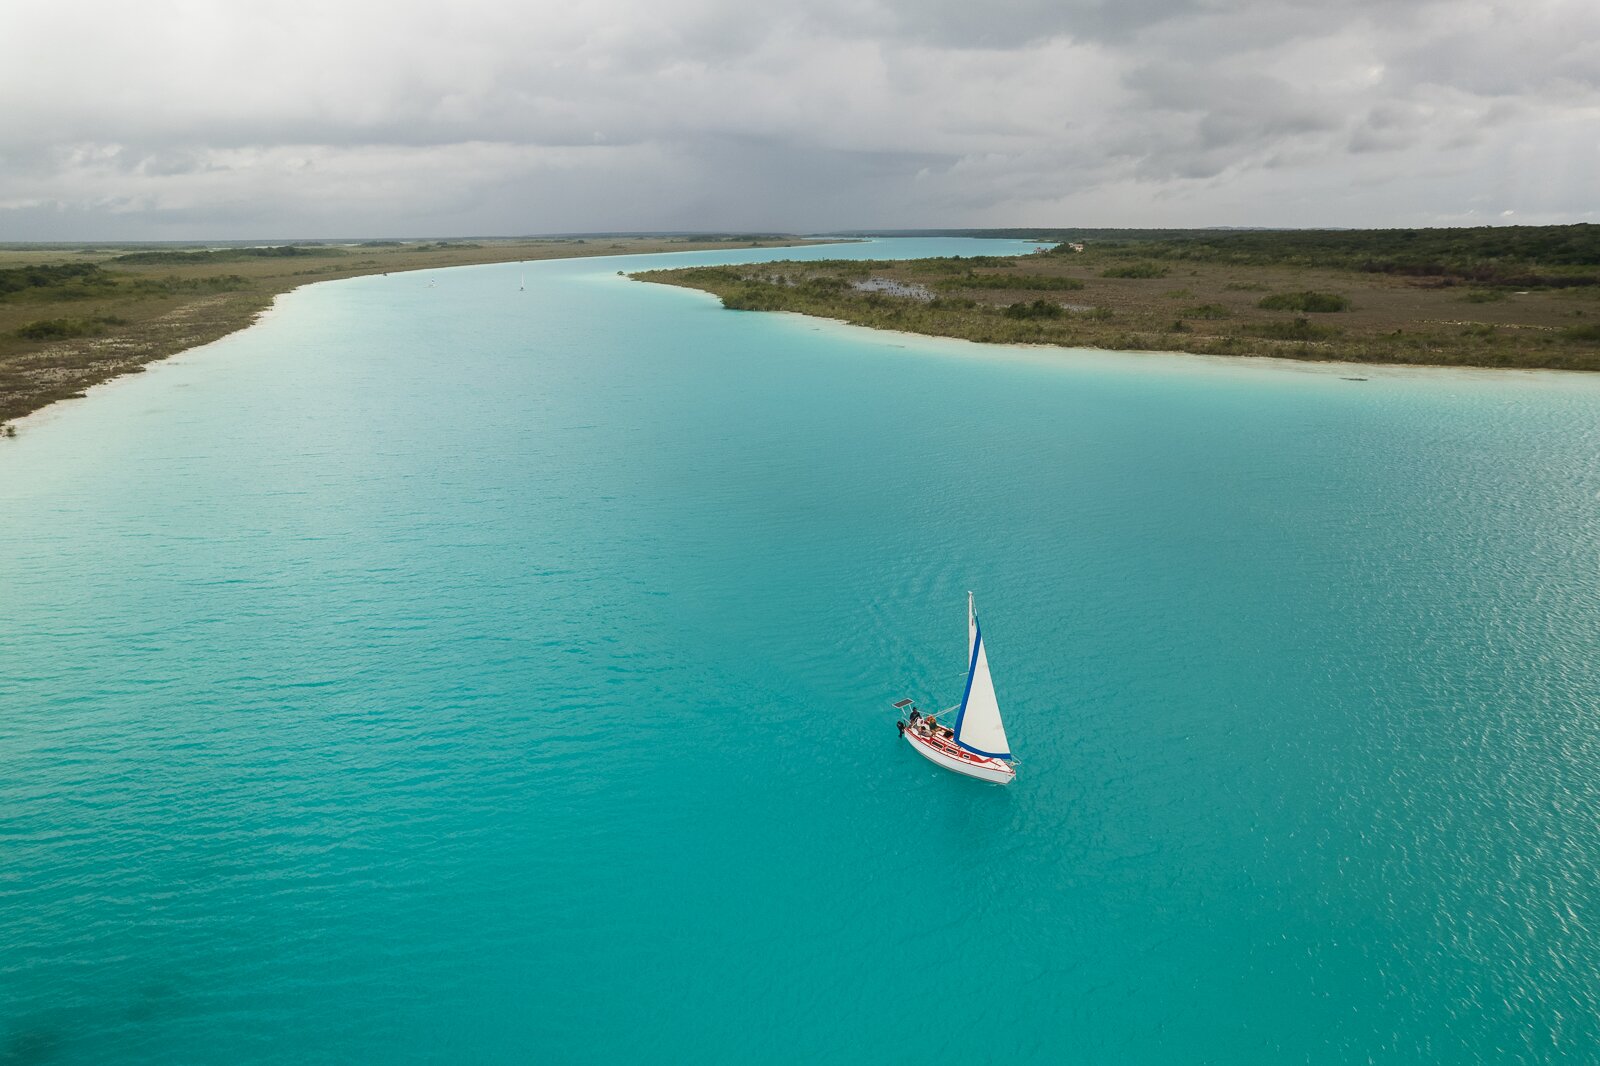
(458, 673)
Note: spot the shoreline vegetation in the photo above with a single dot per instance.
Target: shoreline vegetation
(73, 316)
(1508, 297)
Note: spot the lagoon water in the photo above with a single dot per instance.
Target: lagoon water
(455, 673)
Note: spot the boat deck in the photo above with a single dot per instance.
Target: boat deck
(951, 749)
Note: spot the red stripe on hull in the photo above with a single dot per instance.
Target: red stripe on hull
(947, 750)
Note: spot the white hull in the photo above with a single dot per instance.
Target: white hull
(946, 754)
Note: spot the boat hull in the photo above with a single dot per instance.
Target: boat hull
(946, 754)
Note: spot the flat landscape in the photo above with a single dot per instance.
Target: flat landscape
(1495, 297)
(552, 661)
(414, 678)
(74, 316)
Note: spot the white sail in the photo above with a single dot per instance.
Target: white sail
(978, 725)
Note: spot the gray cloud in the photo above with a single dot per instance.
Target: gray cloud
(184, 120)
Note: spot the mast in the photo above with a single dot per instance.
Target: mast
(972, 625)
(978, 725)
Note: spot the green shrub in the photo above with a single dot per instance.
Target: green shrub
(1207, 311)
(1035, 309)
(69, 280)
(60, 329)
(753, 297)
(49, 329)
(1589, 331)
(963, 264)
(1135, 270)
(824, 286)
(1484, 296)
(1020, 282)
(1318, 302)
(233, 255)
(1300, 329)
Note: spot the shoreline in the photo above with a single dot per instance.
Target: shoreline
(1179, 356)
(1096, 299)
(1176, 357)
(144, 312)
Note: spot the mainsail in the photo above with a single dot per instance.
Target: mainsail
(978, 725)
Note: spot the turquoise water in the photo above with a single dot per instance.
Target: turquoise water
(457, 674)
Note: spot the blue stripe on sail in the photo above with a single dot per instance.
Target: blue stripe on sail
(972, 669)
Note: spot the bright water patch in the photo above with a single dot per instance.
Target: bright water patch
(460, 673)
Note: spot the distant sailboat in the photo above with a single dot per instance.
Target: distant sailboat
(976, 745)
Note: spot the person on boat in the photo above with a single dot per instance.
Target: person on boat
(915, 714)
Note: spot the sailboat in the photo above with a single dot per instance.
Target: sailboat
(976, 745)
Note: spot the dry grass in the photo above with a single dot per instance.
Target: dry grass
(1211, 308)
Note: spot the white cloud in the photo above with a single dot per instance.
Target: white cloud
(203, 119)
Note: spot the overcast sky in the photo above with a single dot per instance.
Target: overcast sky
(166, 120)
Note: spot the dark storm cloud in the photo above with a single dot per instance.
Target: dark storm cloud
(189, 120)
